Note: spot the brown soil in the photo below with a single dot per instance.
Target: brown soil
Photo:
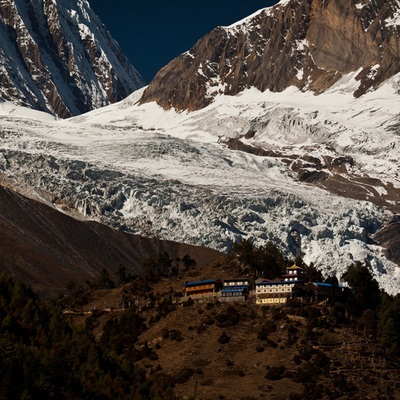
(213, 350)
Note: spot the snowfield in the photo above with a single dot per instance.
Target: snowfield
(171, 174)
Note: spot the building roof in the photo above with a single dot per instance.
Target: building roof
(263, 280)
(200, 283)
(294, 267)
(327, 285)
(234, 288)
(272, 283)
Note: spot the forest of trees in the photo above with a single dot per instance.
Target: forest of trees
(44, 356)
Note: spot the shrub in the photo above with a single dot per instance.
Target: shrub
(306, 353)
(175, 334)
(224, 338)
(184, 375)
(297, 359)
(321, 361)
(265, 330)
(271, 343)
(165, 333)
(275, 373)
(230, 317)
(208, 320)
(201, 328)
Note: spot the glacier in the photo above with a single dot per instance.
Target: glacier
(172, 175)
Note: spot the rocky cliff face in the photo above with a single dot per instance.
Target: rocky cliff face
(57, 56)
(309, 44)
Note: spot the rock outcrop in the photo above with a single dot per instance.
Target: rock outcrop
(309, 44)
(57, 56)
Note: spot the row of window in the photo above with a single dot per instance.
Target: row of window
(277, 290)
(285, 288)
(273, 295)
(231, 294)
(271, 301)
(244, 283)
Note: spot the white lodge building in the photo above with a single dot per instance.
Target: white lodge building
(277, 292)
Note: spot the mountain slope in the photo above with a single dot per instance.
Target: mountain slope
(171, 175)
(48, 249)
(317, 175)
(58, 57)
(309, 44)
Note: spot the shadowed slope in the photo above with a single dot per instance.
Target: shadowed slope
(48, 249)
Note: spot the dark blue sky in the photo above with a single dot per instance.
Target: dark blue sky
(153, 32)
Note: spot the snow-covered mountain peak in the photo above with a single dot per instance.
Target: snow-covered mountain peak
(307, 44)
(57, 56)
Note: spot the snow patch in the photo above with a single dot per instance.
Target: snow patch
(394, 21)
(373, 71)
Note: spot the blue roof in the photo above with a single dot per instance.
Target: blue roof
(327, 285)
(234, 289)
(199, 283)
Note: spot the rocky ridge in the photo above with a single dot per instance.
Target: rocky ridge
(309, 44)
(57, 56)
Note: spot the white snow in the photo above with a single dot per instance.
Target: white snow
(10, 110)
(75, 23)
(360, 6)
(394, 21)
(244, 21)
(373, 71)
(181, 182)
(283, 3)
(300, 74)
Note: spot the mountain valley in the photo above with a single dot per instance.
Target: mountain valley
(261, 162)
(271, 142)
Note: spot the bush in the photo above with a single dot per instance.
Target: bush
(175, 334)
(184, 375)
(165, 333)
(321, 361)
(230, 317)
(208, 320)
(265, 330)
(275, 373)
(306, 353)
(271, 343)
(201, 328)
(297, 359)
(259, 349)
(224, 338)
